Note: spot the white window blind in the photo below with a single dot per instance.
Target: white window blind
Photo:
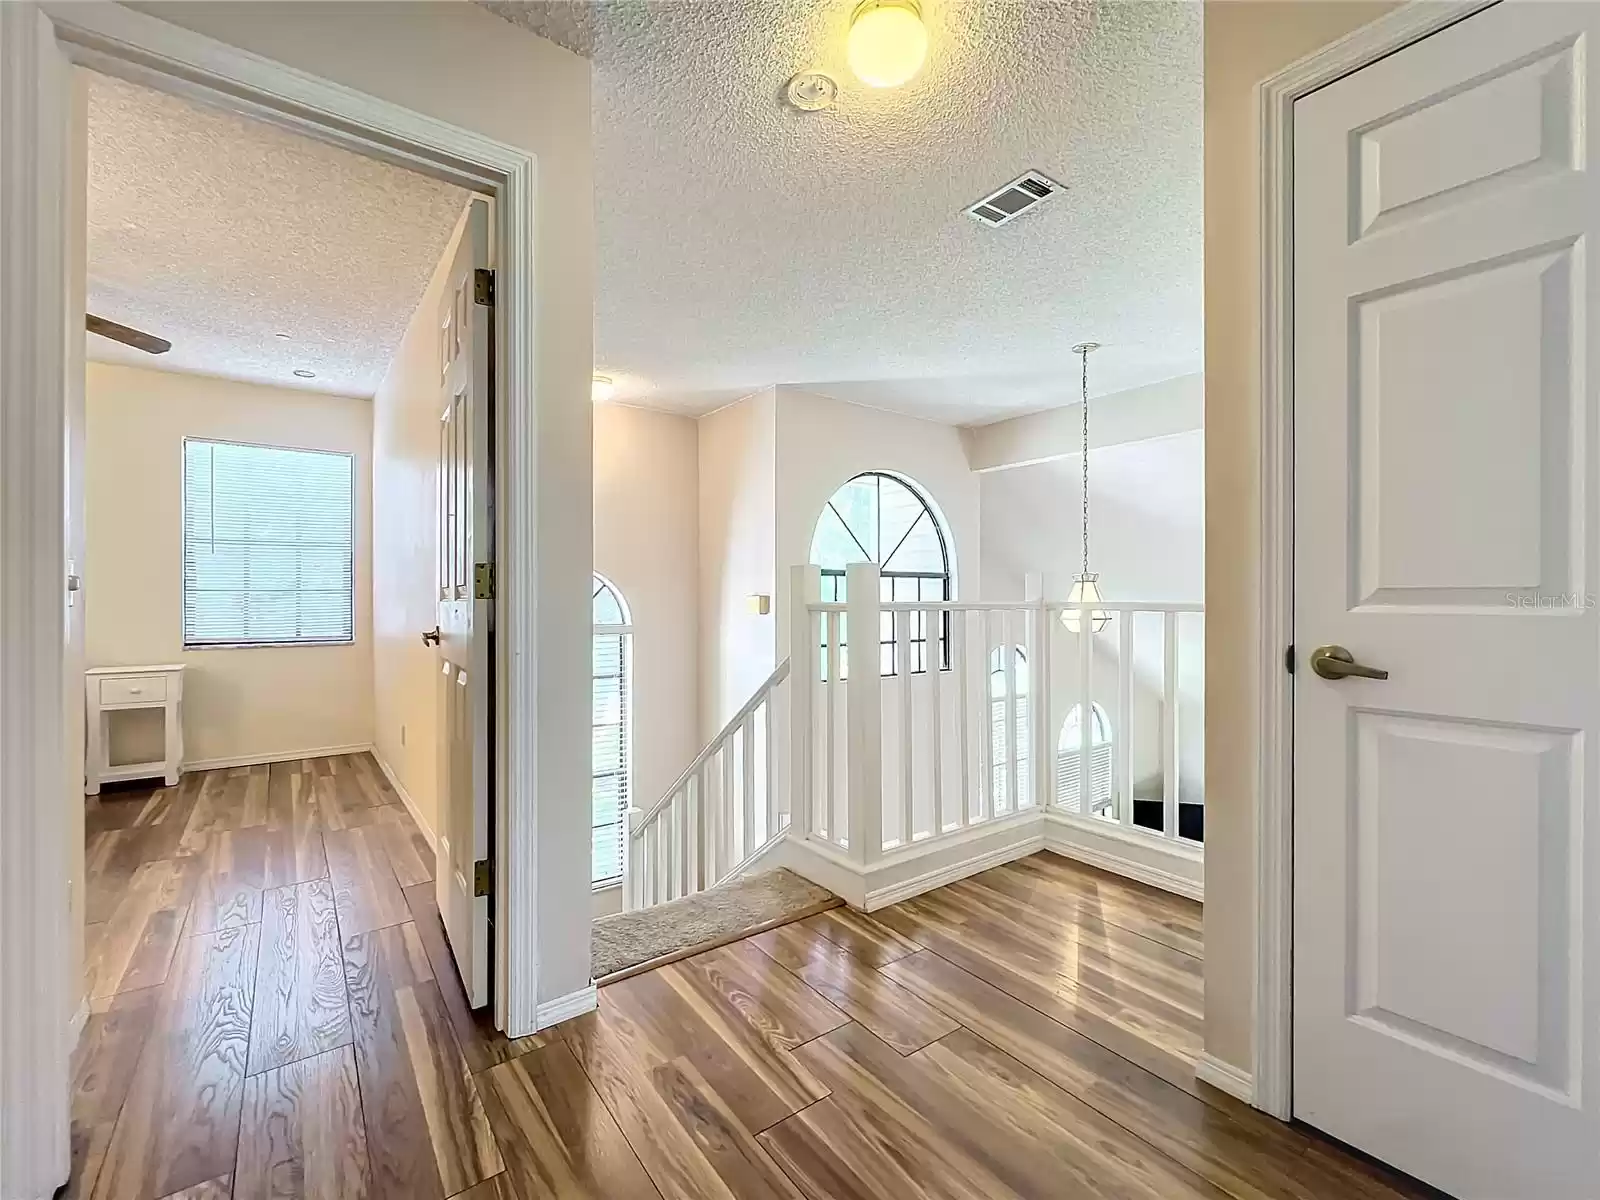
(268, 545)
(610, 754)
(612, 726)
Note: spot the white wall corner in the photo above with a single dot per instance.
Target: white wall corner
(564, 1008)
(1225, 1077)
(405, 798)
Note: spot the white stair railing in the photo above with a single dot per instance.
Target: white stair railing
(960, 705)
(724, 810)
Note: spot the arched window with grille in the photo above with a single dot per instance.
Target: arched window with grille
(1004, 756)
(885, 519)
(1069, 748)
(613, 740)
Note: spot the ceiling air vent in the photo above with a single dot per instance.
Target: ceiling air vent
(1017, 197)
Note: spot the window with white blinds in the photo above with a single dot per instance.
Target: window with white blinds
(609, 799)
(268, 545)
(1000, 746)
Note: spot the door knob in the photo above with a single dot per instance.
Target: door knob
(431, 638)
(1335, 662)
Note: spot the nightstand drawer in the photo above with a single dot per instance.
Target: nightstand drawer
(133, 689)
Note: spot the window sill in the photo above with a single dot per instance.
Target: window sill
(196, 647)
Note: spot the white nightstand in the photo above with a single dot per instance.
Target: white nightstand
(109, 690)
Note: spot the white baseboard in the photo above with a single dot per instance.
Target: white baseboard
(1225, 1077)
(928, 880)
(255, 760)
(1074, 842)
(564, 1008)
(405, 798)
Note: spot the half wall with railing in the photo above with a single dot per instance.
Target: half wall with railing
(952, 736)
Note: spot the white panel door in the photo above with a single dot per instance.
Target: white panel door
(1446, 880)
(466, 539)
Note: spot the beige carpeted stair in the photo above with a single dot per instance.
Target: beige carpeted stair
(627, 943)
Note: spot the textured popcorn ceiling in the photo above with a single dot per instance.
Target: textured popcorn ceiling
(742, 243)
(218, 232)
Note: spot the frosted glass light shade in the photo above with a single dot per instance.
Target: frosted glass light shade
(1085, 590)
(887, 42)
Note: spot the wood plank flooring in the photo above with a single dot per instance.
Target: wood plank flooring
(276, 1014)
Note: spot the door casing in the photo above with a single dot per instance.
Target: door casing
(40, 42)
(1270, 1086)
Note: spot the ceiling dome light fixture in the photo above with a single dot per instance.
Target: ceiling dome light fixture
(602, 389)
(887, 42)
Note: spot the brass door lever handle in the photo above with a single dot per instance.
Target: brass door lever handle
(1335, 662)
(431, 638)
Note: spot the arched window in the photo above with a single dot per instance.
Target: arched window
(881, 518)
(1002, 754)
(1069, 747)
(613, 750)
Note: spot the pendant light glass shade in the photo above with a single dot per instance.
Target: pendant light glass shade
(1085, 590)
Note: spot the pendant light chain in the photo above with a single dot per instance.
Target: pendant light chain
(1084, 353)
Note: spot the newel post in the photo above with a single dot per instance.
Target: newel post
(1042, 749)
(864, 713)
(805, 640)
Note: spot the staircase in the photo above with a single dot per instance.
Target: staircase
(723, 817)
(883, 783)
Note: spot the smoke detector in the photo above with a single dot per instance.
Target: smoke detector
(1021, 195)
(811, 91)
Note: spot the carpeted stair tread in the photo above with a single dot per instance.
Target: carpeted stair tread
(626, 941)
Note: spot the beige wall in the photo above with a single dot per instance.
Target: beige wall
(737, 554)
(646, 542)
(267, 702)
(1245, 41)
(405, 539)
(460, 64)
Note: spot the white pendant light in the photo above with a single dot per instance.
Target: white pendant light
(1086, 585)
(887, 42)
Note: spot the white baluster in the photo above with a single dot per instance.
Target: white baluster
(1085, 713)
(1041, 746)
(1169, 724)
(1008, 661)
(835, 801)
(747, 788)
(988, 799)
(1122, 731)
(958, 656)
(901, 649)
(936, 646)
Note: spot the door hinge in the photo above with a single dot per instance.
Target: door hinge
(483, 877)
(483, 581)
(483, 287)
(1288, 659)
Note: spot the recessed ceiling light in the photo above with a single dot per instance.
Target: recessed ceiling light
(302, 373)
(283, 336)
(602, 389)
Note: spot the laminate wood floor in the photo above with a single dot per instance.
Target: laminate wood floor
(275, 1014)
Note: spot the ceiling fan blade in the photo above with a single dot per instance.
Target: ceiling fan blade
(137, 338)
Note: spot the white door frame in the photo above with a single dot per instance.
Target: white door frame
(1274, 827)
(39, 44)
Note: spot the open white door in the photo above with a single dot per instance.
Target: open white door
(1447, 507)
(465, 871)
